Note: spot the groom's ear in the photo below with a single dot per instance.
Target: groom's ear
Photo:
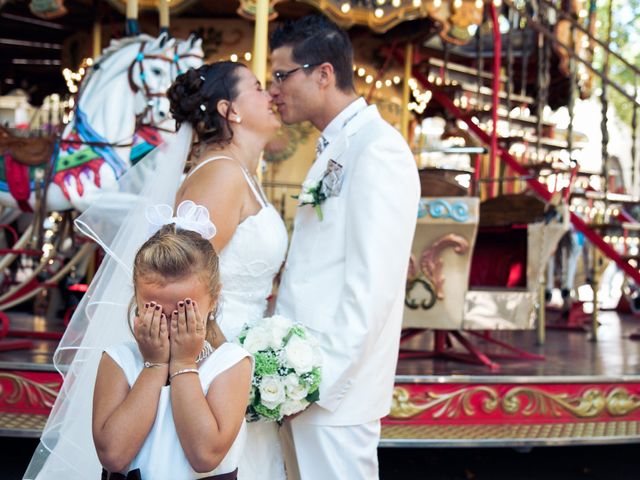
(326, 75)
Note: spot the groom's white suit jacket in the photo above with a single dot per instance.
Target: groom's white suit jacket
(344, 277)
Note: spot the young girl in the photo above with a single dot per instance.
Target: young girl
(172, 405)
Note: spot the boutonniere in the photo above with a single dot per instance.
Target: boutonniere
(315, 192)
(312, 194)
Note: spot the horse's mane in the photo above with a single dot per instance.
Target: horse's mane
(114, 47)
(117, 45)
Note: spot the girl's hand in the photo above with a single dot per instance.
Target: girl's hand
(187, 335)
(151, 333)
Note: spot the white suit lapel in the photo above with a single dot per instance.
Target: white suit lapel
(337, 147)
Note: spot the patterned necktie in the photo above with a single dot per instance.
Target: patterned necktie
(321, 145)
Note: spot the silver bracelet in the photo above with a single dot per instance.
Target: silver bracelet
(184, 370)
(151, 364)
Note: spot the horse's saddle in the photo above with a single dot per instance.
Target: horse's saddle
(28, 151)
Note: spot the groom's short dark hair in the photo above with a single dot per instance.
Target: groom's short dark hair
(314, 39)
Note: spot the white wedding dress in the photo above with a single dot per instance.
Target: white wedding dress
(248, 265)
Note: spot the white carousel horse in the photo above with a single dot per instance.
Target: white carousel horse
(121, 104)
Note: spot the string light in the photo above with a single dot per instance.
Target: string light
(345, 8)
(378, 12)
(73, 79)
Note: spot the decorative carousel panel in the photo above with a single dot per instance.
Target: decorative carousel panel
(499, 310)
(513, 403)
(439, 269)
(457, 18)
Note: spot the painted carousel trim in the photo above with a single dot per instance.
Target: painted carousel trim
(26, 393)
(442, 209)
(508, 402)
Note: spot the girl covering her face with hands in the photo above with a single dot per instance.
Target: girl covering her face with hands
(172, 404)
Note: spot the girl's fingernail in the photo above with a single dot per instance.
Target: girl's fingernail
(157, 307)
(146, 305)
(174, 313)
(188, 301)
(181, 304)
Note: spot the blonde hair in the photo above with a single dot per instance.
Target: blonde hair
(173, 254)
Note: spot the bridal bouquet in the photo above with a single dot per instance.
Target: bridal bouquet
(286, 376)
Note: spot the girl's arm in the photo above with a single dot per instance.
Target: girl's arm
(207, 426)
(123, 417)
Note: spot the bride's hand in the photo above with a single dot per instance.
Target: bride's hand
(151, 333)
(187, 335)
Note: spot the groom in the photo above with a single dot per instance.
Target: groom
(345, 274)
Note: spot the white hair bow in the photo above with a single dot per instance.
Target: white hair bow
(189, 216)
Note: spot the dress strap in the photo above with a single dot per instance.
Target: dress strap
(205, 161)
(257, 191)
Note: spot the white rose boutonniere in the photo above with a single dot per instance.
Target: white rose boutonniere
(312, 194)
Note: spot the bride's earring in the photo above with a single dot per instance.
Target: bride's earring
(238, 119)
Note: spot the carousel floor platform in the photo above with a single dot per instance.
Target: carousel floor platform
(583, 392)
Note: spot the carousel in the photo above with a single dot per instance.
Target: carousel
(522, 287)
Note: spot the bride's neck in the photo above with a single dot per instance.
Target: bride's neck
(242, 148)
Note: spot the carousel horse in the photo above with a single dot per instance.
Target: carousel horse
(120, 110)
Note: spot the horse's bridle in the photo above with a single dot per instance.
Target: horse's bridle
(140, 57)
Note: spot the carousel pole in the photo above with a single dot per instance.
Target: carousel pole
(163, 13)
(260, 48)
(131, 27)
(406, 91)
(96, 33)
(261, 41)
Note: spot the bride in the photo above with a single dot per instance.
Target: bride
(233, 119)
(225, 120)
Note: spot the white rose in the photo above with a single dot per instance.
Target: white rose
(290, 407)
(310, 184)
(297, 392)
(299, 354)
(257, 339)
(278, 326)
(305, 198)
(272, 391)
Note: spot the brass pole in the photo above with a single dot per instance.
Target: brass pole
(163, 13)
(132, 27)
(97, 39)
(260, 47)
(260, 40)
(406, 91)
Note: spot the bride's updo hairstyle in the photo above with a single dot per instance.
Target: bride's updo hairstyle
(194, 98)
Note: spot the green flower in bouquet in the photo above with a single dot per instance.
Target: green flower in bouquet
(266, 363)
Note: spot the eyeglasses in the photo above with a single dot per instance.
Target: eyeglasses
(280, 77)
